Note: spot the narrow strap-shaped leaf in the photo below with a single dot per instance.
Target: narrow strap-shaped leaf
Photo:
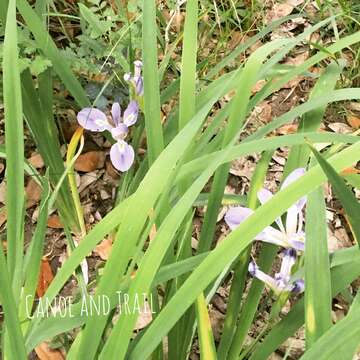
(14, 142)
(345, 195)
(11, 272)
(195, 166)
(188, 64)
(335, 343)
(239, 107)
(318, 300)
(3, 10)
(154, 132)
(348, 349)
(13, 335)
(299, 155)
(231, 328)
(37, 106)
(206, 337)
(34, 254)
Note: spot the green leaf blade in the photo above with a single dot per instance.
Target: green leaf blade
(318, 300)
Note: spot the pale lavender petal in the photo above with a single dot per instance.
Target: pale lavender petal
(127, 76)
(139, 85)
(287, 263)
(236, 215)
(265, 195)
(119, 132)
(297, 244)
(273, 236)
(300, 222)
(93, 119)
(292, 220)
(137, 68)
(116, 113)
(293, 176)
(301, 203)
(281, 283)
(122, 155)
(131, 113)
(265, 278)
(252, 268)
(298, 286)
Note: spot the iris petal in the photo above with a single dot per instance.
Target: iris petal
(265, 195)
(298, 286)
(287, 263)
(119, 132)
(293, 176)
(131, 113)
(122, 155)
(137, 67)
(236, 215)
(93, 119)
(260, 275)
(292, 220)
(273, 236)
(116, 113)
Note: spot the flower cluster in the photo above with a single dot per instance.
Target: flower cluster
(289, 236)
(121, 153)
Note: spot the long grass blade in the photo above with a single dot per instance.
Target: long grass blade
(155, 140)
(206, 336)
(11, 274)
(318, 300)
(230, 330)
(299, 155)
(14, 142)
(188, 64)
(336, 342)
(346, 196)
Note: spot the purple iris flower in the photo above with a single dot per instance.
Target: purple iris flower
(290, 235)
(121, 153)
(281, 281)
(136, 79)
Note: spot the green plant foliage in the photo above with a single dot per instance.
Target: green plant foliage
(190, 122)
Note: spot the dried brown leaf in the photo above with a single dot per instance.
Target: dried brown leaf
(287, 129)
(278, 11)
(3, 192)
(33, 193)
(90, 161)
(45, 278)
(350, 171)
(353, 121)
(44, 352)
(54, 222)
(340, 128)
(36, 161)
(104, 248)
(3, 216)
(145, 316)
